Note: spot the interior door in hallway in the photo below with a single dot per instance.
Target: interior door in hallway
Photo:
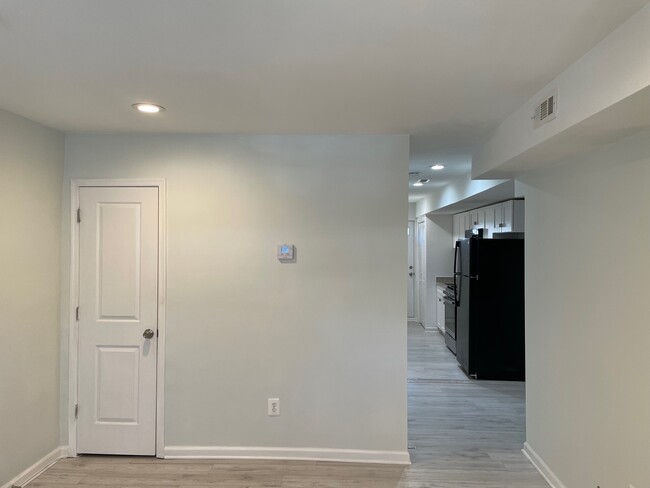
(422, 271)
(118, 320)
(411, 271)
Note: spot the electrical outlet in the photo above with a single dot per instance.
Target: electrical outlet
(274, 407)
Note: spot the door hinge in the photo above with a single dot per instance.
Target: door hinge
(77, 314)
(78, 215)
(76, 411)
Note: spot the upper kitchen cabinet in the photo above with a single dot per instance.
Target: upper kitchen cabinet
(492, 218)
(461, 223)
(511, 217)
(477, 218)
(506, 216)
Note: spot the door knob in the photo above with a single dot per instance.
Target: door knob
(147, 334)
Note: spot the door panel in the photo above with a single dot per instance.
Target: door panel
(118, 372)
(118, 283)
(118, 301)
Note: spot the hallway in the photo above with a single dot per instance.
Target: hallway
(463, 432)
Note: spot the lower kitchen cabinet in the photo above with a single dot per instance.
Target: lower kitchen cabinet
(440, 308)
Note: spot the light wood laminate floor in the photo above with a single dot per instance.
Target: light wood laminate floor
(464, 434)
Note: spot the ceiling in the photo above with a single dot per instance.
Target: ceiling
(444, 71)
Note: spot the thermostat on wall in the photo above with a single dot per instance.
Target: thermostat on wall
(285, 252)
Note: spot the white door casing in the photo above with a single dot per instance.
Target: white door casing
(411, 271)
(421, 271)
(118, 301)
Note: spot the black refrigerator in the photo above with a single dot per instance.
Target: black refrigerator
(489, 279)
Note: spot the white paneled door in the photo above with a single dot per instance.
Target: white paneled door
(118, 320)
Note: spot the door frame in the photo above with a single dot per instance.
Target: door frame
(73, 343)
(412, 225)
(420, 269)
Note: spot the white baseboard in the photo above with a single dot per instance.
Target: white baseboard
(294, 454)
(37, 468)
(542, 467)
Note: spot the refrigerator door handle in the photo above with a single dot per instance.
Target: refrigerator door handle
(456, 273)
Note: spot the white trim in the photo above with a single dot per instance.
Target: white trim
(550, 477)
(37, 468)
(74, 300)
(162, 305)
(73, 336)
(412, 320)
(287, 453)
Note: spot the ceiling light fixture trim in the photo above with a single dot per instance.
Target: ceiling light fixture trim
(148, 108)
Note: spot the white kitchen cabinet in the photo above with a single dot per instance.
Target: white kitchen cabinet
(510, 217)
(491, 218)
(462, 222)
(506, 216)
(440, 308)
(477, 218)
(456, 229)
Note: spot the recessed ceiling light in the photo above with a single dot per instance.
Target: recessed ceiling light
(420, 182)
(148, 108)
(438, 167)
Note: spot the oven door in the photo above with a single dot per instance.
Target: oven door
(450, 317)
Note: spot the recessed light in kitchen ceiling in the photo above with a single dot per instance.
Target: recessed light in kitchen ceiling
(438, 167)
(420, 182)
(148, 108)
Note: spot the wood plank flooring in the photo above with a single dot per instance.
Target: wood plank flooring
(465, 434)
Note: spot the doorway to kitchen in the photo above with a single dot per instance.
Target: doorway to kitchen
(460, 428)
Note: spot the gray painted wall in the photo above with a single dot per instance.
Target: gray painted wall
(587, 331)
(31, 173)
(326, 335)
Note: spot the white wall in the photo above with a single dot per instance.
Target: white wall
(587, 320)
(31, 169)
(326, 335)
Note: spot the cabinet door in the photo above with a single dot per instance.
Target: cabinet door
(461, 222)
(474, 219)
(506, 210)
(456, 231)
(491, 219)
(468, 222)
(478, 219)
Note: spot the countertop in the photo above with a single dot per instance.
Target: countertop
(444, 280)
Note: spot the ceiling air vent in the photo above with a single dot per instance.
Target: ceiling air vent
(546, 110)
